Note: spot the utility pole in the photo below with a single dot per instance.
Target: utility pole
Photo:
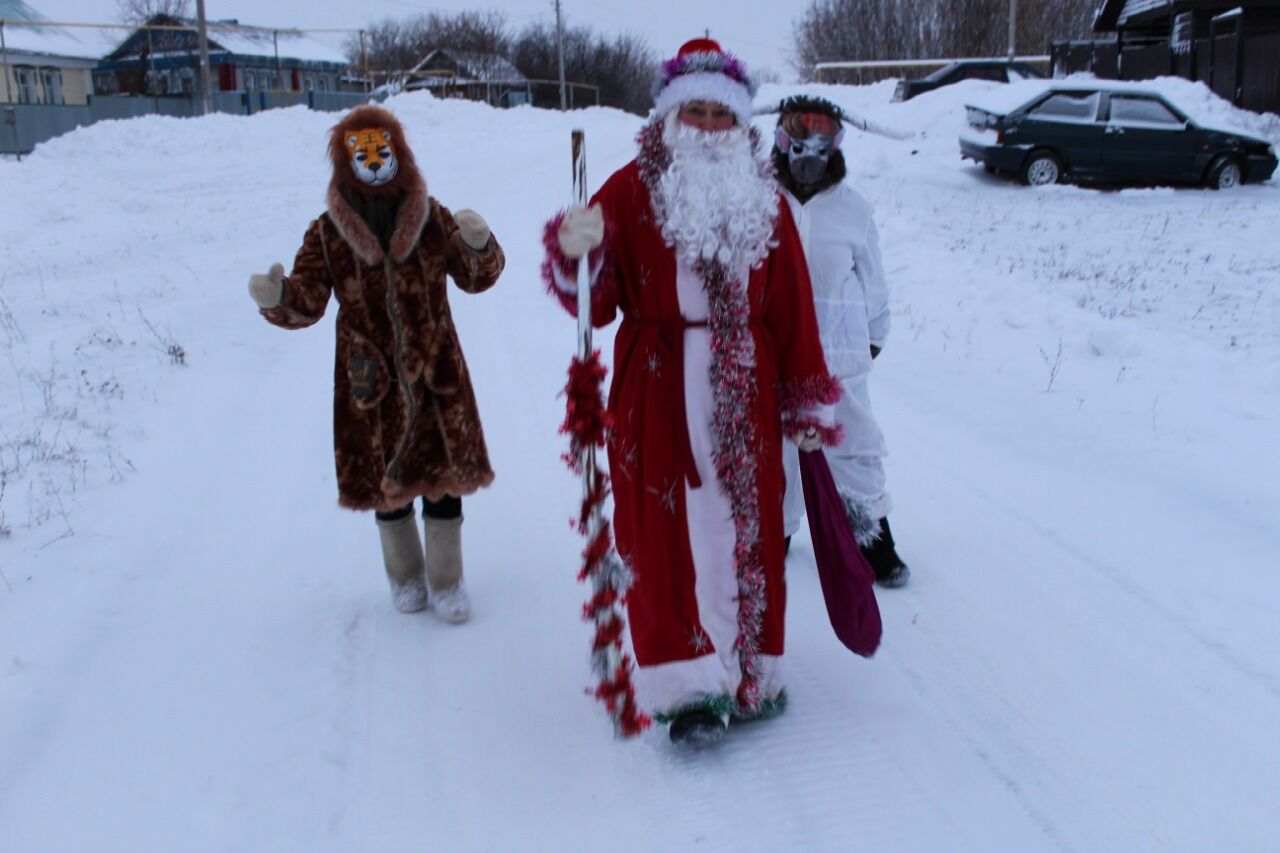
(560, 54)
(4, 66)
(206, 91)
(364, 63)
(10, 112)
(1013, 28)
(275, 39)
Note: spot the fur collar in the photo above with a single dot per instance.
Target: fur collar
(410, 220)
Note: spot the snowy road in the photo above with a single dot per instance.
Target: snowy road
(203, 657)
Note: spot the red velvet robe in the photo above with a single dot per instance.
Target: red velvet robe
(669, 440)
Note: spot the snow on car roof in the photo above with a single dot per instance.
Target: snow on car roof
(1005, 99)
(1192, 99)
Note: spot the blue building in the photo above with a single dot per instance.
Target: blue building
(241, 59)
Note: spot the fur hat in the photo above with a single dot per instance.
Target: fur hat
(407, 179)
(702, 71)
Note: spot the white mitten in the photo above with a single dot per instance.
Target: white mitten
(473, 229)
(581, 230)
(808, 441)
(267, 290)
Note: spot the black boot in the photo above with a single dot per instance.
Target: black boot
(698, 727)
(885, 562)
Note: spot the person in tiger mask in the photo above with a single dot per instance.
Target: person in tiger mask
(405, 420)
(851, 295)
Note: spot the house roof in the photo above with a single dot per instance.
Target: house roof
(44, 41)
(1117, 14)
(247, 41)
(293, 45)
(473, 66)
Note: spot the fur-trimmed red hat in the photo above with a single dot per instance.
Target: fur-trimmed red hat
(703, 71)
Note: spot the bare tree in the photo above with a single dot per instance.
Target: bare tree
(622, 67)
(396, 46)
(140, 11)
(852, 30)
(388, 47)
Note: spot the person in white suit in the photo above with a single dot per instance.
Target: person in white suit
(851, 296)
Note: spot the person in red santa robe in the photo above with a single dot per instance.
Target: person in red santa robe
(717, 358)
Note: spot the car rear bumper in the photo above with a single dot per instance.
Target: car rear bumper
(1006, 158)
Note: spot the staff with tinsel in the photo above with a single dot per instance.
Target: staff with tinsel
(587, 424)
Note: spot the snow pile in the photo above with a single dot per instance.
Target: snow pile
(1080, 391)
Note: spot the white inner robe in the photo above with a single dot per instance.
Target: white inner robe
(667, 687)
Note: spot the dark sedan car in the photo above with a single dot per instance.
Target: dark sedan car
(1001, 71)
(1113, 133)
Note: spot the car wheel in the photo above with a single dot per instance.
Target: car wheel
(1225, 174)
(1041, 169)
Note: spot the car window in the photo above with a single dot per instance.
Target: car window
(942, 73)
(1130, 110)
(1067, 106)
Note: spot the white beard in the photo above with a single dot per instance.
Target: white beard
(716, 201)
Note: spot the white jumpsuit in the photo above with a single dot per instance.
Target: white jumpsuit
(851, 296)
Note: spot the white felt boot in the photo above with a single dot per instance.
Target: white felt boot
(444, 569)
(402, 556)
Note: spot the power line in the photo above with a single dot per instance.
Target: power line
(213, 28)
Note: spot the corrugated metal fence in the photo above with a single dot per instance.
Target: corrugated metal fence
(1261, 83)
(1250, 80)
(25, 126)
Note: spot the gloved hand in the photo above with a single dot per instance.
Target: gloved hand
(808, 440)
(473, 229)
(875, 351)
(581, 230)
(268, 290)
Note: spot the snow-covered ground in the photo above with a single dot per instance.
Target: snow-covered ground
(196, 647)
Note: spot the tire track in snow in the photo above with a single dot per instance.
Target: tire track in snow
(382, 753)
(1113, 574)
(979, 751)
(1052, 586)
(346, 687)
(812, 779)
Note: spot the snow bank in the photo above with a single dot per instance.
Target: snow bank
(1080, 392)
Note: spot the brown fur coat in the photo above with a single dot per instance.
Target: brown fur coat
(405, 422)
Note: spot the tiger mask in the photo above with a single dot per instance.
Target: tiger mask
(373, 157)
(369, 152)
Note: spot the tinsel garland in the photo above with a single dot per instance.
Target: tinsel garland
(586, 423)
(733, 383)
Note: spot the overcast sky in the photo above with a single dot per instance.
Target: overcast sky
(757, 30)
